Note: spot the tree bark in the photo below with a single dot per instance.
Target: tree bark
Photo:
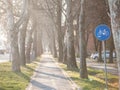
(65, 49)
(39, 43)
(71, 59)
(35, 43)
(13, 39)
(22, 41)
(14, 29)
(83, 67)
(111, 47)
(59, 32)
(29, 45)
(15, 51)
(54, 45)
(114, 6)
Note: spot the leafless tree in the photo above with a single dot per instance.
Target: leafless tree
(83, 67)
(13, 27)
(114, 6)
(71, 59)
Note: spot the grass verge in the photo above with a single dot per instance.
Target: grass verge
(96, 79)
(15, 80)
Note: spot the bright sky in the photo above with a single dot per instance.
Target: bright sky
(2, 38)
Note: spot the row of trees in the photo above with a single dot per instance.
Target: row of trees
(20, 25)
(62, 26)
(80, 23)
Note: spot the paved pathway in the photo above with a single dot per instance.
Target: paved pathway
(111, 68)
(49, 76)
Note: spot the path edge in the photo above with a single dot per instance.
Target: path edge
(74, 85)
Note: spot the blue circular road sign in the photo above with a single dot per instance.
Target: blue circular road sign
(102, 32)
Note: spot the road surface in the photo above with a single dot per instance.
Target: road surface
(4, 58)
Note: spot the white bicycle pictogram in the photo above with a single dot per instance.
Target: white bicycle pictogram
(102, 33)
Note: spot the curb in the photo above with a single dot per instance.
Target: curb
(31, 78)
(73, 84)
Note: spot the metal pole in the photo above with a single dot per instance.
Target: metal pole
(103, 42)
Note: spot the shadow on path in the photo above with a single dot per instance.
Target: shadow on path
(53, 75)
(41, 86)
(49, 76)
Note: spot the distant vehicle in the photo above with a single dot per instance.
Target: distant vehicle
(94, 55)
(2, 50)
(107, 53)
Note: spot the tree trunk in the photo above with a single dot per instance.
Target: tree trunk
(96, 42)
(71, 59)
(111, 47)
(77, 37)
(29, 43)
(39, 43)
(65, 49)
(114, 6)
(65, 55)
(111, 56)
(54, 45)
(22, 42)
(13, 29)
(83, 67)
(14, 51)
(59, 32)
(13, 39)
(35, 43)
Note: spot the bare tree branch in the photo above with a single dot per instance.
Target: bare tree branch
(24, 11)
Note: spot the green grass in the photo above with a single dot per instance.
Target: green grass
(96, 79)
(15, 80)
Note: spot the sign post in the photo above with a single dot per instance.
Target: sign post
(102, 33)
